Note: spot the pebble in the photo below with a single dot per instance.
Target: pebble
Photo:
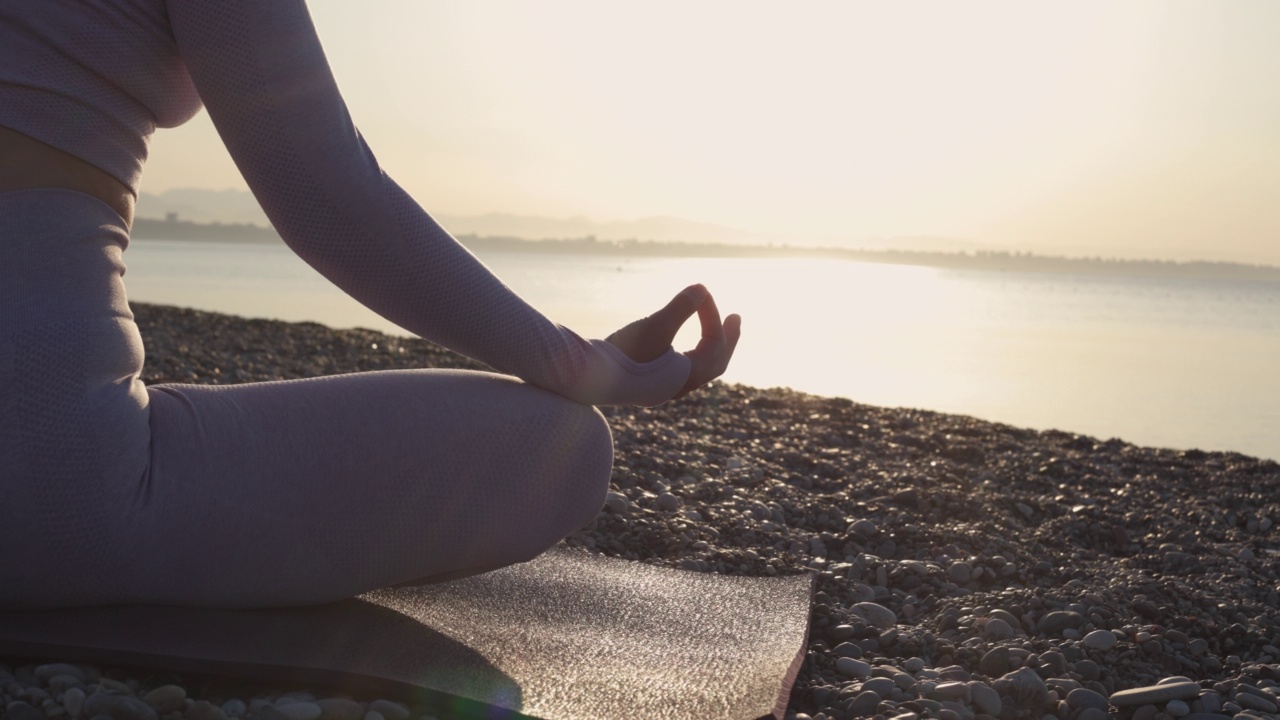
(1026, 688)
(373, 715)
(959, 572)
(847, 649)
(120, 707)
(1100, 640)
(1055, 622)
(301, 710)
(1177, 708)
(19, 710)
(73, 701)
(1081, 698)
(995, 662)
(850, 667)
(1153, 694)
(166, 698)
(617, 503)
(1091, 714)
(666, 502)
(234, 708)
(1250, 701)
(865, 703)
(878, 616)
(340, 709)
(883, 687)
(44, 673)
(985, 698)
(205, 710)
(389, 710)
(997, 629)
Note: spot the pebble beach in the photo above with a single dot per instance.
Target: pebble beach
(967, 570)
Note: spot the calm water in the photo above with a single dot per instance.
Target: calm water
(1172, 363)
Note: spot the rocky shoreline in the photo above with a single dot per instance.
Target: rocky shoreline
(967, 569)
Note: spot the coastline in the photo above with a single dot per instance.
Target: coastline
(1024, 565)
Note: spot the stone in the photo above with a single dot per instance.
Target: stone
(864, 704)
(204, 710)
(997, 629)
(1177, 708)
(340, 709)
(847, 649)
(301, 710)
(850, 667)
(985, 698)
(371, 715)
(617, 503)
(959, 572)
(389, 710)
(862, 529)
(166, 698)
(45, 672)
(1006, 616)
(18, 710)
(1091, 714)
(1055, 622)
(666, 502)
(1026, 688)
(61, 683)
(1155, 694)
(841, 632)
(234, 708)
(1082, 698)
(878, 616)
(120, 707)
(1100, 640)
(1250, 701)
(995, 662)
(73, 701)
(883, 687)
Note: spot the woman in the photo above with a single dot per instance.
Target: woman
(281, 493)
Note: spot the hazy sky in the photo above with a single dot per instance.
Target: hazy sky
(1133, 129)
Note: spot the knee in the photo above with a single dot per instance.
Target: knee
(588, 479)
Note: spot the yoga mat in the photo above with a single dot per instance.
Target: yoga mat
(567, 636)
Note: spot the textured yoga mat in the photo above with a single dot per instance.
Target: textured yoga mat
(566, 636)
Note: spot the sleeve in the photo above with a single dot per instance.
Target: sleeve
(262, 75)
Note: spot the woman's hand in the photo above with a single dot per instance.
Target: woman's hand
(647, 339)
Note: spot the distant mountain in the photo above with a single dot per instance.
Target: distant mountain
(239, 207)
(663, 229)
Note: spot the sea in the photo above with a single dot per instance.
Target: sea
(1167, 362)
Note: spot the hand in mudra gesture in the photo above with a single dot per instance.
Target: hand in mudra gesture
(646, 339)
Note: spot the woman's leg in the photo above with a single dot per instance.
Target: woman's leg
(280, 493)
(313, 490)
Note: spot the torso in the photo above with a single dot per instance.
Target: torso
(26, 163)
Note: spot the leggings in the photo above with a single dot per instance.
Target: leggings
(264, 494)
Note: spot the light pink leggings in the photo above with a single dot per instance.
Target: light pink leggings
(281, 493)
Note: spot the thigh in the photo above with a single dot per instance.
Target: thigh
(313, 490)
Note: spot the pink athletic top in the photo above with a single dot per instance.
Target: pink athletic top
(96, 77)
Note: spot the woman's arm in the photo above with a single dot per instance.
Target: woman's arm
(263, 77)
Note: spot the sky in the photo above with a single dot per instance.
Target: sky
(1137, 129)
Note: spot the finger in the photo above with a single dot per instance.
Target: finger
(732, 331)
(709, 315)
(667, 321)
